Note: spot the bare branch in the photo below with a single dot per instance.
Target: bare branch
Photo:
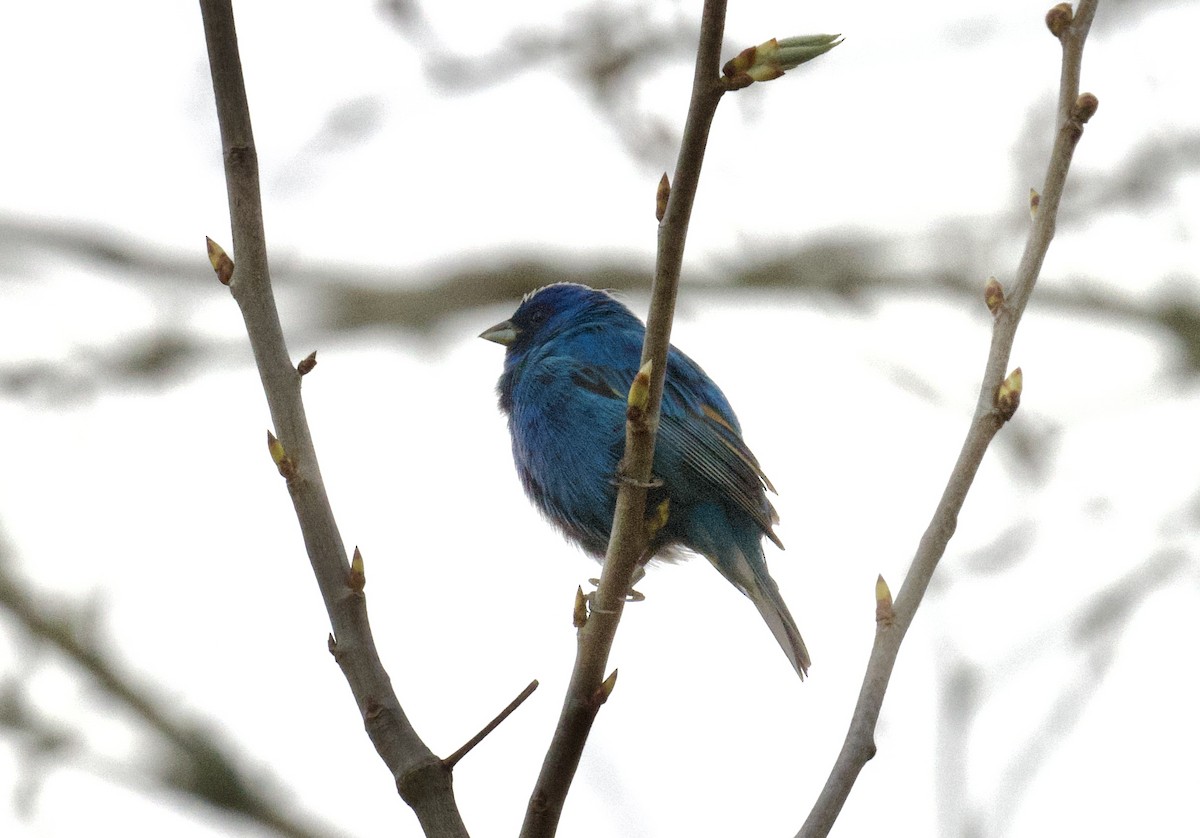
(422, 779)
(1073, 111)
(453, 759)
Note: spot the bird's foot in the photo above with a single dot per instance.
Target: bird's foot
(653, 483)
(633, 596)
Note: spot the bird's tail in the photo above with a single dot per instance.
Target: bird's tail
(769, 602)
(749, 574)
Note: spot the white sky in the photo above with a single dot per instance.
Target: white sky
(161, 506)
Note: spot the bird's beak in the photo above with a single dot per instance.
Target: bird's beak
(502, 333)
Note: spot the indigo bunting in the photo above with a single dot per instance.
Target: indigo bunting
(571, 354)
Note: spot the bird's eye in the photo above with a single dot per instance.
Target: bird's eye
(538, 316)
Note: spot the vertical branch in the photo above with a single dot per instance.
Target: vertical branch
(996, 405)
(421, 778)
(588, 689)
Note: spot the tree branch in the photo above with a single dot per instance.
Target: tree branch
(588, 689)
(421, 778)
(1073, 111)
(454, 758)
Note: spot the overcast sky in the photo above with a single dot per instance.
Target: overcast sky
(158, 505)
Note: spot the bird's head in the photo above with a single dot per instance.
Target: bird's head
(550, 311)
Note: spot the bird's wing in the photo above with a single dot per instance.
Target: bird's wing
(596, 380)
(698, 429)
(699, 424)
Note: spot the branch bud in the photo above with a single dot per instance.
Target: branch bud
(657, 519)
(358, 572)
(639, 391)
(278, 456)
(993, 295)
(884, 613)
(1008, 394)
(1059, 18)
(660, 198)
(306, 365)
(606, 688)
(579, 613)
(770, 59)
(1085, 107)
(1035, 200)
(220, 261)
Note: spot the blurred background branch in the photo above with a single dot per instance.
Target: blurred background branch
(851, 271)
(185, 755)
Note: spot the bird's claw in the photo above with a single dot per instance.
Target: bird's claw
(653, 483)
(633, 596)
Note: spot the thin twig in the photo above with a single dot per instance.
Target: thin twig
(453, 759)
(421, 778)
(859, 745)
(588, 689)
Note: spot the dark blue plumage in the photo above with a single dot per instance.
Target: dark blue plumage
(572, 353)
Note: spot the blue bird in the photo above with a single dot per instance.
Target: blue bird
(571, 354)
